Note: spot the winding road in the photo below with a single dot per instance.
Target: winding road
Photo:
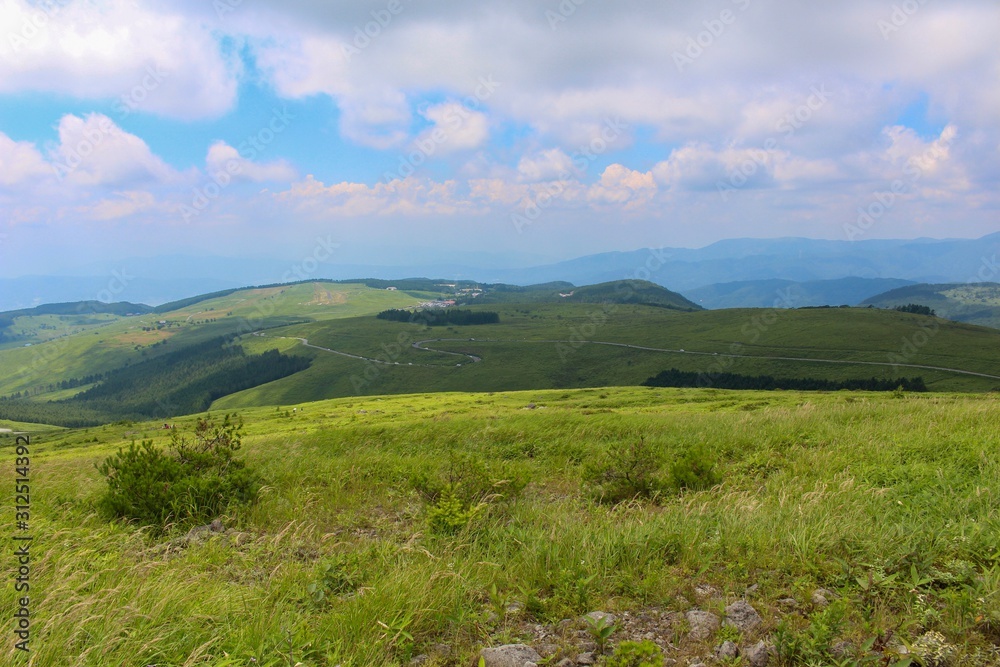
(422, 345)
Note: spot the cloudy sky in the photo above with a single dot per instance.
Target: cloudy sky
(510, 130)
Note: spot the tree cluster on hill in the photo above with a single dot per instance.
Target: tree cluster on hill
(440, 317)
(679, 378)
(916, 309)
(175, 383)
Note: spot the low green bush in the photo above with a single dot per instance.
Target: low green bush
(631, 470)
(456, 493)
(635, 654)
(191, 482)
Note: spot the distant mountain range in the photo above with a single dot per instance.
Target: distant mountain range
(777, 293)
(806, 261)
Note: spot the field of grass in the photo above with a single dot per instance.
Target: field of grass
(889, 503)
(522, 351)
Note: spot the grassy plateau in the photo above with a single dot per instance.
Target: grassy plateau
(862, 527)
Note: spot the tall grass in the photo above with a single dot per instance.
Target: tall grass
(846, 491)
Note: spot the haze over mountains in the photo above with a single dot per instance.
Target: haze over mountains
(816, 269)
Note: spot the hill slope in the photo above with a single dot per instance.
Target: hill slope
(580, 345)
(976, 303)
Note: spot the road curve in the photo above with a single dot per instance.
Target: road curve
(422, 345)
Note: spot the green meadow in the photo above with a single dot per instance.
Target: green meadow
(885, 503)
(560, 345)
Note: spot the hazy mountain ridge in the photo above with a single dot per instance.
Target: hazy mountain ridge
(790, 294)
(159, 280)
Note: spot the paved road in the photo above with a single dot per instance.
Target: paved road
(422, 345)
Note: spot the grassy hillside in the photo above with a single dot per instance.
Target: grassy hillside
(549, 346)
(854, 524)
(30, 326)
(619, 291)
(976, 303)
(74, 353)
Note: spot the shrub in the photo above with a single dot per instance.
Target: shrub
(630, 471)
(191, 482)
(456, 494)
(693, 470)
(635, 654)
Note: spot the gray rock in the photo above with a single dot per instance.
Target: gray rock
(788, 603)
(513, 607)
(547, 650)
(821, 597)
(727, 651)
(510, 655)
(419, 659)
(842, 649)
(705, 591)
(703, 624)
(585, 658)
(565, 662)
(743, 616)
(756, 655)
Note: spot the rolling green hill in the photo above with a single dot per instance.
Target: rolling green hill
(323, 341)
(619, 291)
(68, 362)
(30, 326)
(583, 345)
(976, 303)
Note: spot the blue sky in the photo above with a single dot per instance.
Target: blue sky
(518, 130)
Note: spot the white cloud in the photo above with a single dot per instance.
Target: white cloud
(455, 128)
(410, 196)
(223, 158)
(545, 165)
(20, 161)
(94, 151)
(122, 205)
(623, 186)
(157, 61)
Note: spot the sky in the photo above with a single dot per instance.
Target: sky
(504, 131)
